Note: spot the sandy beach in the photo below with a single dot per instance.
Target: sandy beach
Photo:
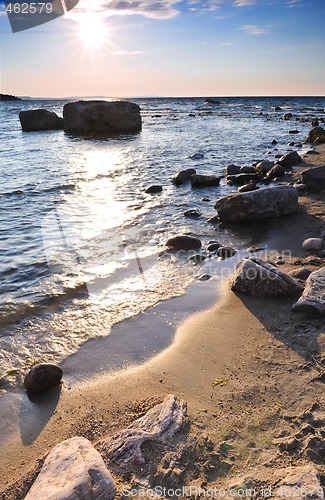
(250, 370)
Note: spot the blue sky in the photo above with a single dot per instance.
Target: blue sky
(165, 47)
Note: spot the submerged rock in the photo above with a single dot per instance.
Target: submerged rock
(255, 205)
(183, 176)
(314, 178)
(194, 214)
(40, 119)
(73, 470)
(258, 277)
(101, 117)
(184, 243)
(201, 181)
(313, 297)
(42, 377)
(197, 156)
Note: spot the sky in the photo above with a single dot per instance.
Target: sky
(169, 48)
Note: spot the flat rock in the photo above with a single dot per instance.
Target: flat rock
(314, 178)
(251, 186)
(264, 203)
(101, 117)
(241, 179)
(258, 277)
(312, 244)
(299, 483)
(183, 176)
(40, 119)
(232, 170)
(73, 470)
(42, 377)
(200, 181)
(158, 424)
(313, 297)
(184, 243)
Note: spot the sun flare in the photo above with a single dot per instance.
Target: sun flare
(93, 32)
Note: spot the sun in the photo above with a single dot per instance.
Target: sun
(93, 32)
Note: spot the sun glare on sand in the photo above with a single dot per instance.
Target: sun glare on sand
(93, 32)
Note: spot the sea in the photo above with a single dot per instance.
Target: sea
(83, 267)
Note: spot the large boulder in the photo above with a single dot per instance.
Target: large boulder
(258, 277)
(316, 135)
(313, 178)
(290, 159)
(313, 298)
(201, 181)
(183, 243)
(40, 119)
(73, 470)
(42, 377)
(101, 117)
(255, 205)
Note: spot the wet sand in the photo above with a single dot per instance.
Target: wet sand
(248, 368)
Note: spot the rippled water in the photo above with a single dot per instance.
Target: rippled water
(80, 239)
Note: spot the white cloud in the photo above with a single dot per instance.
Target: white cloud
(159, 9)
(293, 3)
(252, 29)
(243, 3)
(127, 52)
(226, 44)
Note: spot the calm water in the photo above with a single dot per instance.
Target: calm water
(81, 241)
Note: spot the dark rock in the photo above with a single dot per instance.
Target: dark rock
(287, 116)
(201, 181)
(42, 377)
(291, 144)
(276, 171)
(183, 176)
(298, 145)
(197, 259)
(314, 178)
(213, 247)
(258, 277)
(8, 97)
(206, 199)
(255, 205)
(312, 244)
(212, 100)
(184, 243)
(204, 277)
(232, 170)
(274, 142)
(40, 119)
(197, 156)
(312, 152)
(192, 213)
(251, 186)
(264, 166)
(225, 252)
(316, 135)
(241, 179)
(295, 131)
(301, 188)
(192, 115)
(315, 122)
(313, 298)
(247, 169)
(156, 188)
(290, 159)
(277, 108)
(97, 118)
(213, 220)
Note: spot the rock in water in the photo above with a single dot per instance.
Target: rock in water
(299, 483)
(258, 277)
(155, 188)
(313, 298)
(101, 117)
(73, 470)
(184, 243)
(201, 181)
(313, 178)
(40, 119)
(316, 135)
(158, 424)
(42, 377)
(183, 176)
(261, 204)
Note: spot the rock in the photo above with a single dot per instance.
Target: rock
(295, 131)
(204, 277)
(201, 181)
(301, 188)
(101, 117)
(206, 199)
(264, 203)
(73, 470)
(8, 97)
(314, 178)
(277, 108)
(247, 169)
(42, 377)
(312, 244)
(264, 166)
(192, 213)
(315, 122)
(232, 170)
(287, 116)
(183, 176)
(241, 179)
(40, 119)
(197, 156)
(291, 144)
(258, 277)
(316, 135)
(225, 252)
(156, 188)
(158, 424)
(313, 297)
(274, 142)
(277, 171)
(312, 152)
(299, 483)
(184, 243)
(290, 159)
(212, 100)
(213, 247)
(301, 274)
(213, 220)
(251, 186)
(197, 259)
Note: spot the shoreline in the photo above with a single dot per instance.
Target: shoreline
(217, 344)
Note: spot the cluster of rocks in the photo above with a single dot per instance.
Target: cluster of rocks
(88, 118)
